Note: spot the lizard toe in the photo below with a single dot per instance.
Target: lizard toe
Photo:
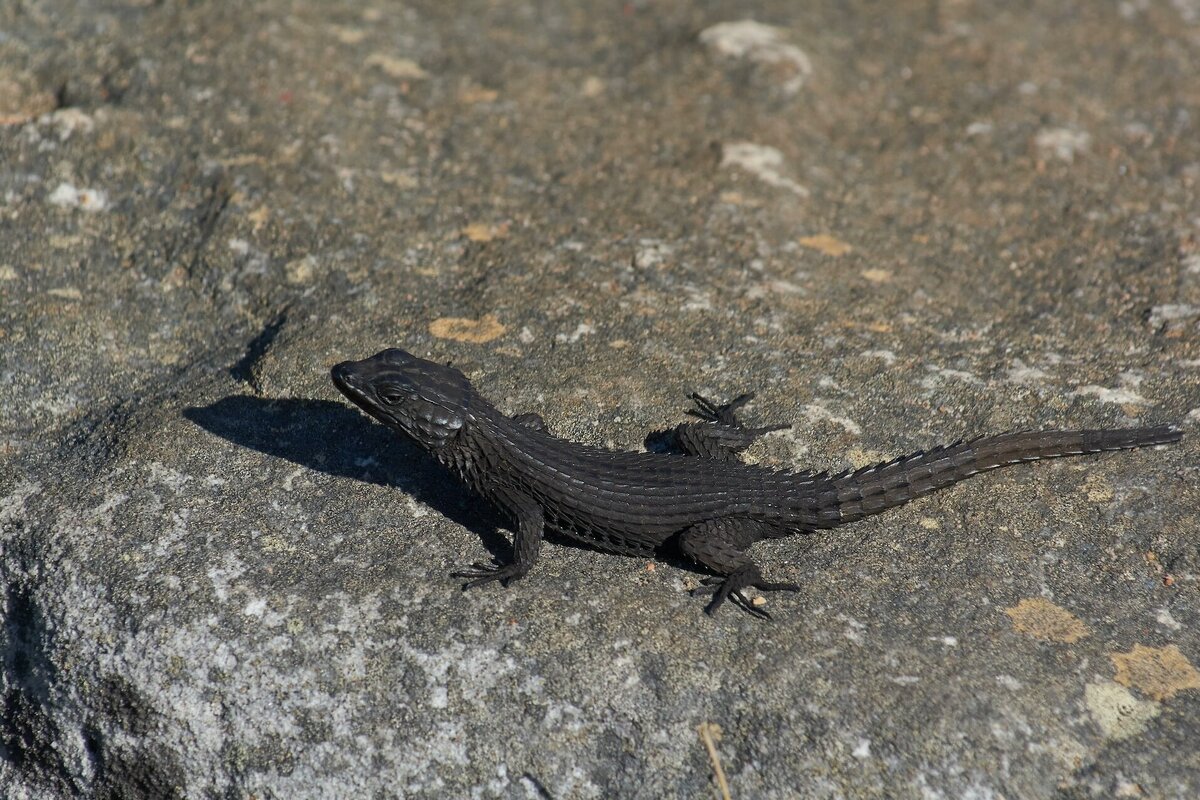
(479, 574)
(732, 587)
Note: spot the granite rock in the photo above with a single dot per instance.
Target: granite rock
(900, 224)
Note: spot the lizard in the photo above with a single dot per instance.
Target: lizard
(690, 490)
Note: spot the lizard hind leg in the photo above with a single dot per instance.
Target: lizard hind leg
(718, 436)
(720, 545)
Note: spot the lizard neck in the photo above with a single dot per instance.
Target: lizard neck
(477, 453)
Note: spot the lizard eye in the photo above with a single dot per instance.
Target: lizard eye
(391, 397)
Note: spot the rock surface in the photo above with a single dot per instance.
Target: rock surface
(898, 223)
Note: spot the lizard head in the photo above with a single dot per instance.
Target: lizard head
(422, 399)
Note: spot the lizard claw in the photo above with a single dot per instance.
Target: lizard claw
(723, 414)
(709, 411)
(480, 573)
(730, 587)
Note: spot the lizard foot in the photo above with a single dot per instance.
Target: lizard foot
(723, 413)
(709, 411)
(480, 573)
(729, 587)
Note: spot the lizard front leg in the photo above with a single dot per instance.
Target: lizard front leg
(720, 545)
(527, 540)
(719, 436)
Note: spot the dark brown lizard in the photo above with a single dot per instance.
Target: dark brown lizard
(699, 498)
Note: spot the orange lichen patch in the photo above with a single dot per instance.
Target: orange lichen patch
(827, 244)
(1159, 672)
(21, 100)
(477, 94)
(485, 232)
(259, 217)
(1041, 619)
(348, 35)
(67, 293)
(592, 86)
(398, 68)
(476, 331)
(1098, 490)
(401, 180)
(736, 199)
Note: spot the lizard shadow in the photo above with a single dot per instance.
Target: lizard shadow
(338, 440)
(333, 438)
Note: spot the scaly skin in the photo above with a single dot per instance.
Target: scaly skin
(696, 495)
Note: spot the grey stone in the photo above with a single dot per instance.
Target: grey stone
(222, 581)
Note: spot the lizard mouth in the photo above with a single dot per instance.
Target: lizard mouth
(346, 380)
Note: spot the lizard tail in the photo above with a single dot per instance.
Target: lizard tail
(852, 495)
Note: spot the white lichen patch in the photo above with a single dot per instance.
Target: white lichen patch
(904, 680)
(173, 479)
(651, 254)
(223, 577)
(1171, 312)
(817, 412)
(862, 749)
(765, 44)
(1019, 372)
(886, 356)
(457, 666)
(69, 121)
(55, 405)
(697, 299)
(415, 508)
(1164, 618)
(761, 161)
(581, 330)
(1118, 713)
(66, 195)
(938, 374)
(1188, 10)
(1106, 395)
(1062, 143)
(12, 505)
(1009, 682)
(854, 628)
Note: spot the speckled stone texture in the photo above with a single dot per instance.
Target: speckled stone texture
(899, 223)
